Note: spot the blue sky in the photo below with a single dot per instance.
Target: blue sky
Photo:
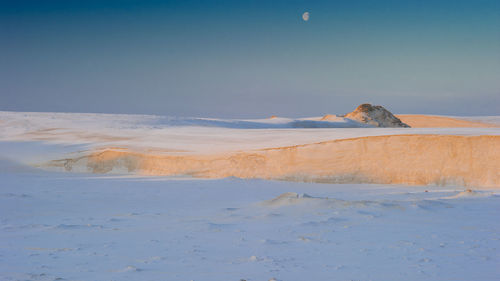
(250, 58)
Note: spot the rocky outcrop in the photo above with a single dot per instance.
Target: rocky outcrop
(375, 115)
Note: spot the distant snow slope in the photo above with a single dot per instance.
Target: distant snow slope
(189, 135)
(132, 121)
(435, 121)
(493, 120)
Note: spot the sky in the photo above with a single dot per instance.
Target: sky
(250, 59)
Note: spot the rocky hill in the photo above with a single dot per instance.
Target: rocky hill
(375, 115)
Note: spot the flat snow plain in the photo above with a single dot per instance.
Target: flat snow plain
(67, 226)
(194, 135)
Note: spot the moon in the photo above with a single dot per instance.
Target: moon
(305, 16)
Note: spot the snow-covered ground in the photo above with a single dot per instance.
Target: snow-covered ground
(63, 226)
(68, 226)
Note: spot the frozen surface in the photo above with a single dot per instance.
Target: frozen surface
(83, 227)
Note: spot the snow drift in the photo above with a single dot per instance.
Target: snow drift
(394, 159)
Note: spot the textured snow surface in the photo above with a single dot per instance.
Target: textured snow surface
(63, 226)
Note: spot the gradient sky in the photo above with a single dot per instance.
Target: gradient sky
(250, 58)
